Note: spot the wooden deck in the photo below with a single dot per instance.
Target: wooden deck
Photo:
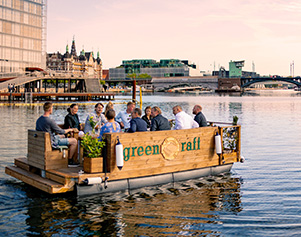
(49, 96)
(56, 181)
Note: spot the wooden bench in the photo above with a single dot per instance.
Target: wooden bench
(41, 154)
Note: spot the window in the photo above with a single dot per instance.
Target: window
(7, 3)
(8, 40)
(17, 29)
(17, 16)
(25, 6)
(7, 14)
(25, 18)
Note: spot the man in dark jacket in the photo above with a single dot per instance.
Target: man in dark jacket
(199, 116)
(137, 124)
(159, 122)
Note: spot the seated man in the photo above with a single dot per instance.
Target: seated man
(158, 122)
(46, 124)
(199, 116)
(137, 123)
(183, 120)
(124, 117)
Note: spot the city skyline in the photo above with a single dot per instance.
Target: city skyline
(209, 33)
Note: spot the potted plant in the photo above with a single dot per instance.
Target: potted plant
(93, 161)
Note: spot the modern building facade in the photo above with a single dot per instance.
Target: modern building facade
(71, 64)
(235, 71)
(22, 36)
(163, 68)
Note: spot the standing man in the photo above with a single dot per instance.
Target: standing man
(137, 123)
(46, 124)
(183, 120)
(124, 117)
(158, 122)
(199, 116)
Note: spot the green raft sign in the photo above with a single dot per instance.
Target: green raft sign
(170, 144)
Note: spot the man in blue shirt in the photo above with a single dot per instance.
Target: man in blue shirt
(137, 124)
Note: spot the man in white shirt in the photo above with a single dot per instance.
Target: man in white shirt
(124, 117)
(183, 120)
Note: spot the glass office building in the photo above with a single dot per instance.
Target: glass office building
(22, 36)
(163, 68)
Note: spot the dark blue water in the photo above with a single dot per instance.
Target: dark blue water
(261, 197)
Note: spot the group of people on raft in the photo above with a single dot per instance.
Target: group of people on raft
(129, 120)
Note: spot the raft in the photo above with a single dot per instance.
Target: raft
(149, 158)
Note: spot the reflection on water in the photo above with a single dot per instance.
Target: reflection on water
(191, 207)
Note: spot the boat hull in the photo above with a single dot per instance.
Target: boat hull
(135, 183)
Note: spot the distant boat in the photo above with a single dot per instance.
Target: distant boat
(189, 89)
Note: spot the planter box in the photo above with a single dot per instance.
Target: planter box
(93, 165)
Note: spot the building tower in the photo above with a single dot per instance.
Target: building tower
(235, 68)
(73, 49)
(22, 36)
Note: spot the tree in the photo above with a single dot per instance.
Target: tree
(144, 75)
(132, 75)
(141, 76)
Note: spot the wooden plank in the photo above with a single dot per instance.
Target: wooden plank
(35, 164)
(36, 159)
(32, 179)
(57, 178)
(22, 163)
(238, 144)
(48, 146)
(36, 150)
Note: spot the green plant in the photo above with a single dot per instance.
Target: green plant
(92, 123)
(92, 146)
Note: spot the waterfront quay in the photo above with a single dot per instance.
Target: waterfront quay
(29, 97)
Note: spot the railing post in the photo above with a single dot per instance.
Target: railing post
(134, 91)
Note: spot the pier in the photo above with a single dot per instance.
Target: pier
(29, 97)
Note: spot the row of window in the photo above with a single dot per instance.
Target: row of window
(21, 5)
(20, 17)
(20, 55)
(21, 30)
(19, 42)
(7, 67)
(65, 64)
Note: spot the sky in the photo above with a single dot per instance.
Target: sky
(209, 33)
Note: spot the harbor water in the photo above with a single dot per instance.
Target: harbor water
(261, 197)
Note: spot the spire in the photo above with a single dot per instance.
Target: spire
(82, 52)
(73, 49)
(67, 48)
(98, 54)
